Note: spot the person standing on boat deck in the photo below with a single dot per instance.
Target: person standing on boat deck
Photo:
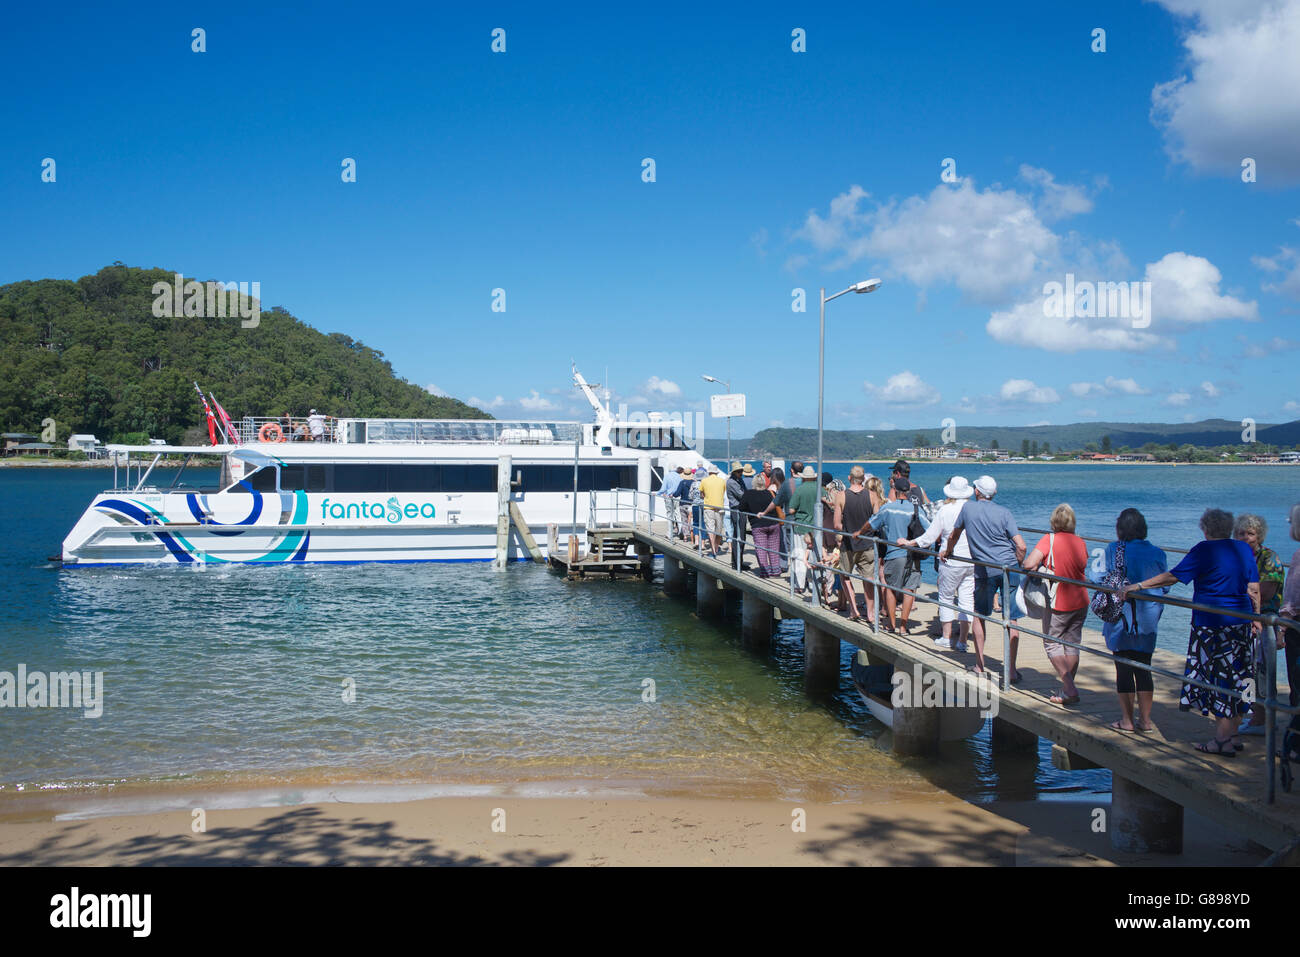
(1225, 576)
(994, 537)
(1066, 556)
(857, 550)
(316, 426)
(736, 490)
(803, 502)
(713, 499)
(891, 523)
(784, 489)
(668, 491)
(760, 508)
(1133, 636)
(1252, 529)
(957, 578)
(286, 427)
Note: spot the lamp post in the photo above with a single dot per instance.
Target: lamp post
(867, 285)
(727, 385)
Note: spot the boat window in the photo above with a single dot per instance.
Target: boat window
(262, 480)
(559, 478)
(413, 478)
(648, 437)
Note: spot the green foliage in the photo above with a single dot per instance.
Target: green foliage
(91, 355)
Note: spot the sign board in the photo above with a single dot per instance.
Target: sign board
(727, 406)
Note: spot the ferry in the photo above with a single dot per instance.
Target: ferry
(375, 490)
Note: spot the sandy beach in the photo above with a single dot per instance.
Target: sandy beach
(939, 830)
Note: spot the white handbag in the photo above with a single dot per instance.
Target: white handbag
(1035, 594)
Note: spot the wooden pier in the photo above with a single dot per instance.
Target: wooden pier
(1155, 775)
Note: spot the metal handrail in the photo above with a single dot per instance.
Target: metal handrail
(1271, 622)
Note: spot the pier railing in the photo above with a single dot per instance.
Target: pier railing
(635, 509)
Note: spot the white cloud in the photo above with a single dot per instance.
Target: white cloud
(984, 242)
(903, 388)
(1088, 413)
(1185, 289)
(1081, 389)
(1058, 200)
(1291, 406)
(1025, 390)
(1177, 398)
(535, 402)
(663, 387)
(434, 390)
(1210, 390)
(1261, 350)
(489, 404)
(1125, 386)
(1234, 101)
(1040, 422)
(1289, 284)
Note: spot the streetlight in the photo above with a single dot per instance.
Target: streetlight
(723, 382)
(867, 285)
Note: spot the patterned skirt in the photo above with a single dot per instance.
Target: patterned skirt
(1218, 656)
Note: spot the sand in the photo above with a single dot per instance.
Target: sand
(941, 830)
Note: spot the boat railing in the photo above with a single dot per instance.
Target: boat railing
(285, 428)
(637, 509)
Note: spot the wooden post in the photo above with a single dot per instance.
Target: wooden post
(821, 659)
(503, 511)
(756, 623)
(1143, 822)
(525, 532)
(709, 597)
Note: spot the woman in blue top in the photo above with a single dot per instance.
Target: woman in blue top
(1133, 637)
(1218, 652)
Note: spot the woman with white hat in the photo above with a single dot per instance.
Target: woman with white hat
(956, 578)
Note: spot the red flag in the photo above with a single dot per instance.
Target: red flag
(225, 419)
(212, 419)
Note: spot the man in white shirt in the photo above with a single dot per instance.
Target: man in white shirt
(316, 426)
(956, 578)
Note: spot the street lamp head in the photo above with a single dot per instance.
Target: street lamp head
(708, 378)
(867, 285)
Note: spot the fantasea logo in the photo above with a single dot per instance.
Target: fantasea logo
(392, 511)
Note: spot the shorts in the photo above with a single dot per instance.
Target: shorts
(713, 521)
(863, 562)
(986, 588)
(901, 572)
(1066, 625)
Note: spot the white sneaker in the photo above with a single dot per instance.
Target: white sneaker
(943, 643)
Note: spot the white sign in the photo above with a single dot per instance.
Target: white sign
(728, 406)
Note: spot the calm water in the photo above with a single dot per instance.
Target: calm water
(235, 675)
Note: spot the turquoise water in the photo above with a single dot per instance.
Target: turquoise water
(235, 675)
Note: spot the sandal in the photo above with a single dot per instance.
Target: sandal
(1222, 748)
(1119, 727)
(1018, 677)
(1061, 699)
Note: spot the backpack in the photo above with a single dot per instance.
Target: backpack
(1105, 605)
(914, 531)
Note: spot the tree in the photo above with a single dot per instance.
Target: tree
(919, 441)
(1105, 443)
(1024, 447)
(1033, 448)
(993, 444)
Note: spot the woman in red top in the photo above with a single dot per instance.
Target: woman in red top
(1063, 621)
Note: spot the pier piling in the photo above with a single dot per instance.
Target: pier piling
(674, 576)
(1011, 737)
(1143, 822)
(710, 599)
(916, 731)
(821, 658)
(756, 622)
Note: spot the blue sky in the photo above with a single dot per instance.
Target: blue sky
(774, 170)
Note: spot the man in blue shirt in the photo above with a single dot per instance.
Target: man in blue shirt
(892, 522)
(994, 537)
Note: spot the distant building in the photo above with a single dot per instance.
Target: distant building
(12, 440)
(1289, 458)
(83, 443)
(1136, 457)
(31, 448)
(929, 452)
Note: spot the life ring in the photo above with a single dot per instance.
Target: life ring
(270, 432)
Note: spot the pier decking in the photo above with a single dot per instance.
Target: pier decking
(1155, 774)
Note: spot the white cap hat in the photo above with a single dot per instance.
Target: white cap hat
(986, 486)
(713, 469)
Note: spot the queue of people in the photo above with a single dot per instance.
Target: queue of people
(869, 547)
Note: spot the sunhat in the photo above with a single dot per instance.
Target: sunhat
(808, 472)
(958, 487)
(986, 486)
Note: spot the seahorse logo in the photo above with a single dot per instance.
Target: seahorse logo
(394, 511)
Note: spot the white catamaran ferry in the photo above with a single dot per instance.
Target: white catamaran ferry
(375, 490)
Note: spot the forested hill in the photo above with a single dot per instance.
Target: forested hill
(91, 355)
